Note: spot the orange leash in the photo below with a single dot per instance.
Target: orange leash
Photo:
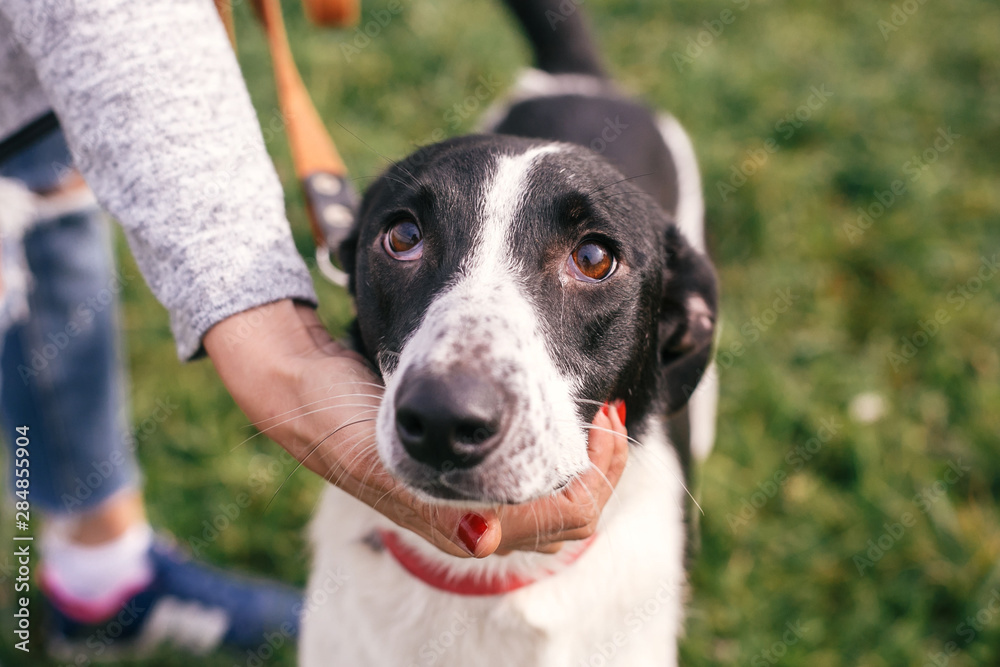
(331, 200)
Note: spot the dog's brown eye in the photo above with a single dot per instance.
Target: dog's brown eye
(404, 241)
(592, 262)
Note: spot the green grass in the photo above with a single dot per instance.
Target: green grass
(792, 559)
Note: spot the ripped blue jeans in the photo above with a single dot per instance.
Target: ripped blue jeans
(62, 371)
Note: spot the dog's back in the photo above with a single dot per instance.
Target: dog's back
(570, 98)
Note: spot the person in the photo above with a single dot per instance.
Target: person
(63, 378)
(162, 131)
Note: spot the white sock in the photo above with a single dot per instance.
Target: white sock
(98, 573)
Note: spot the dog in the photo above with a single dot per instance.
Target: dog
(506, 285)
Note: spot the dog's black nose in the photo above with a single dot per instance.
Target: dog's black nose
(450, 421)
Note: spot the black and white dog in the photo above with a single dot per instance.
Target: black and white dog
(507, 284)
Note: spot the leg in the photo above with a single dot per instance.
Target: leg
(62, 371)
(63, 377)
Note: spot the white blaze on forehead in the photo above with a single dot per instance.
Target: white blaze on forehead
(499, 207)
(485, 321)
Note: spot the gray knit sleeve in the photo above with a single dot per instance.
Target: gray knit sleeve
(160, 123)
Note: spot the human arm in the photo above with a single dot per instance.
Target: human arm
(159, 122)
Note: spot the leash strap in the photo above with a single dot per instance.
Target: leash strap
(331, 200)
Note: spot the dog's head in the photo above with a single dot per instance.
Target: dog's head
(506, 288)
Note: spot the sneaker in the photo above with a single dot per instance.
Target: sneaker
(188, 605)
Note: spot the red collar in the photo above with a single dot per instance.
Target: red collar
(436, 576)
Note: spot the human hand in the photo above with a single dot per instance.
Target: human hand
(319, 401)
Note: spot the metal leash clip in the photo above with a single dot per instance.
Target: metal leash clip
(332, 203)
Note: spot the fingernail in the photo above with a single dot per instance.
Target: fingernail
(621, 411)
(604, 409)
(471, 529)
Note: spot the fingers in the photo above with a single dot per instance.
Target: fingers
(464, 533)
(321, 337)
(600, 444)
(574, 512)
(619, 455)
(457, 531)
(609, 451)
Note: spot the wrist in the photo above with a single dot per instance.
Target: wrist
(275, 361)
(258, 354)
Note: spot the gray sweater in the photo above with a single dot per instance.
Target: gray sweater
(159, 121)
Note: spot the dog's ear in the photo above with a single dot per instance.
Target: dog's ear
(687, 319)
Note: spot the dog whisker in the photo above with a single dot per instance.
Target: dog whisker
(616, 194)
(366, 177)
(594, 503)
(611, 487)
(305, 414)
(322, 400)
(372, 468)
(621, 180)
(311, 452)
(602, 520)
(372, 149)
(327, 388)
(636, 442)
(390, 178)
(387, 494)
(288, 477)
(363, 447)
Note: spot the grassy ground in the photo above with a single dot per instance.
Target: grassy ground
(829, 538)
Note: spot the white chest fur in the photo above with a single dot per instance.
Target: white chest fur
(619, 604)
